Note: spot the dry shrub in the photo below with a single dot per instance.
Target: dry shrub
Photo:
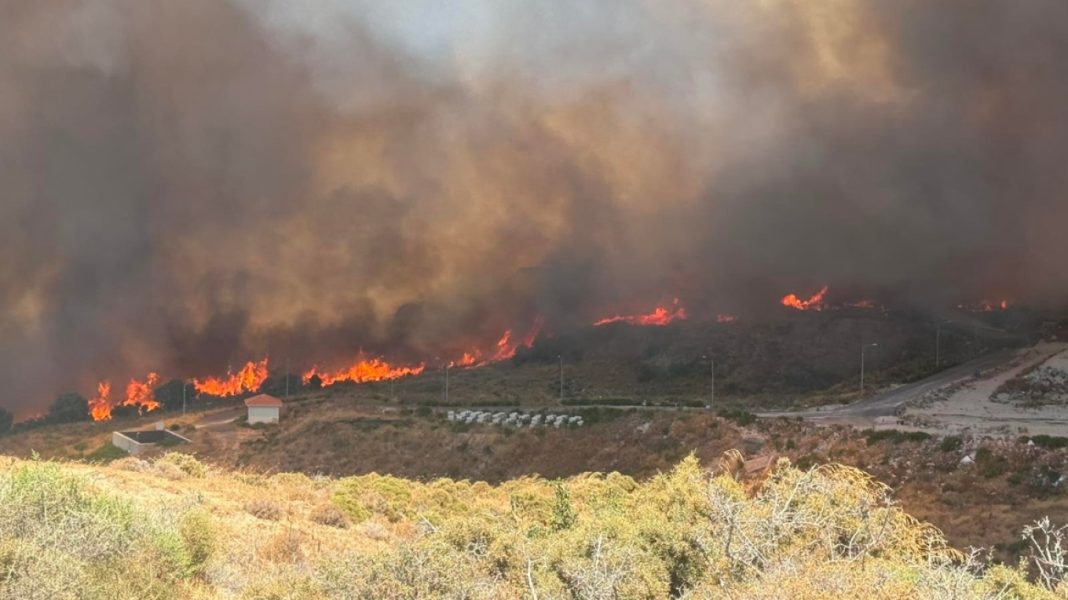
(184, 462)
(170, 471)
(267, 510)
(284, 547)
(329, 515)
(374, 530)
(131, 463)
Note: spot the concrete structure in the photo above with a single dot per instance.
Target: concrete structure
(263, 409)
(136, 442)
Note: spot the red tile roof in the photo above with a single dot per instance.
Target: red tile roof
(263, 400)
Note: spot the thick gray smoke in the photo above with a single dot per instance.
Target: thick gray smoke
(188, 185)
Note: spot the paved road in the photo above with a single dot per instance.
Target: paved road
(888, 403)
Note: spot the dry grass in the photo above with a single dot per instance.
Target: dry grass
(797, 534)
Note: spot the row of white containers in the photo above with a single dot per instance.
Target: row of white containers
(513, 419)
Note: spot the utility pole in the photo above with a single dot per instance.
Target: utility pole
(183, 397)
(864, 347)
(712, 372)
(391, 396)
(287, 378)
(561, 357)
(447, 382)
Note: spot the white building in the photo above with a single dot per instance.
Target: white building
(263, 409)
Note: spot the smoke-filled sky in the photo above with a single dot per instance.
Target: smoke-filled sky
(188, 185)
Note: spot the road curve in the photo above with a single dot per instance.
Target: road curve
(891, 401)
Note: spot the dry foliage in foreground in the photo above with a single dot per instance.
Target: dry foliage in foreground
(178, 529)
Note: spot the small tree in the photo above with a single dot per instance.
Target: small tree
(170, 394)
(69, 408)
(6, 419)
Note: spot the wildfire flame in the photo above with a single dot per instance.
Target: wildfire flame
(661, 316)
(814, 302)
(505, 348)
(248, 379)
(139, 394)
(142, 394)
(100, 406)
(363, 370)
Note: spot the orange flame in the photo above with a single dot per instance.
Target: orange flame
(504, 349)
(659, 317)
(100, 406)
(248, 379)
(814, 302)
(142, 394)
(363, 370)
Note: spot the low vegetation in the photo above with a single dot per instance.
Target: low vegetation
(131, 530)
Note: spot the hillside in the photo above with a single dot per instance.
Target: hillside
(985, 504)
(177, 528)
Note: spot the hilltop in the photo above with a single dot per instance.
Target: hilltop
(174, 527)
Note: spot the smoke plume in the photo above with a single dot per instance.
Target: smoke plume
(188, 185)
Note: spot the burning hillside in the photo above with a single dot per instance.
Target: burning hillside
(660, 316)
(306, 187)
(248, 379)
(362, 371)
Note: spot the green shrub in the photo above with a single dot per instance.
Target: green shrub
(106, 453)
(741, 417)
(360, 497)
(199, 538)
(1050, 442)
(951, 443)
(62, 538)
(990, 465)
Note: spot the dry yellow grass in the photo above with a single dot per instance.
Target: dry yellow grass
(175, 528)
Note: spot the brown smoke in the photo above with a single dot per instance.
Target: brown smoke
(188, 185)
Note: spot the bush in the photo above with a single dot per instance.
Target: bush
(106, 453)
(329, 515)
(267, 510)
(62, 538)
(199, 538)
(951, 443)
(740, 417)
(184, 462)
(1050, 442)
(895, 436)
(990, 465)
(829, 531)
(69, 408)
(360, 497)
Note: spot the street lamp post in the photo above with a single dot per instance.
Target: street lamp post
(863, 349)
